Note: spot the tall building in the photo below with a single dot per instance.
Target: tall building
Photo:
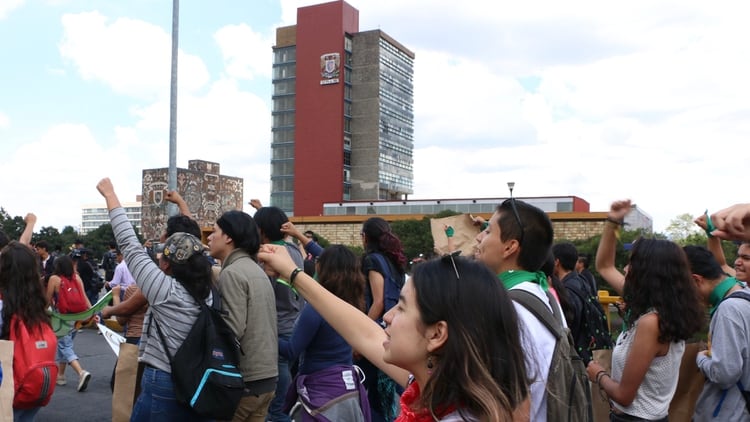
(343, 119)
(207, 192)
(94, 215)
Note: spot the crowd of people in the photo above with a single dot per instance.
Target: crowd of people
(327, 335)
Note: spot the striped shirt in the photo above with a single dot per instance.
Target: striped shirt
(170, 304)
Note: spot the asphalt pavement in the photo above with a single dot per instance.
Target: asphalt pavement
(94, 404)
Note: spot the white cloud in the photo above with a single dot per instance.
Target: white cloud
(4, 120)
(246, 53)
(55, 183)
(644, 100)
(131, 56)
(7, 6)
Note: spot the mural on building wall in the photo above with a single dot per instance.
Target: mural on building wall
(207, 193)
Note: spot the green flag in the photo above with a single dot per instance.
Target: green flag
(62, 324)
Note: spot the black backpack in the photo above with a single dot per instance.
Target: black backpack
(567, 392)
(205, 368)
(592, 332)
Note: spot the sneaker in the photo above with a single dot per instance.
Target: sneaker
(83, 381)
(61, 381)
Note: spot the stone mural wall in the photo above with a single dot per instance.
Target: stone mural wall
(206, 191)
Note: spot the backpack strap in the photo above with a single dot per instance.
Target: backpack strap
(741, 294)
(201, 304)
(551, 319)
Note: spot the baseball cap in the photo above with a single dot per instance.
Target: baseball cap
(179, 247)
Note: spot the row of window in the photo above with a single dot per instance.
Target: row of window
(284, 55)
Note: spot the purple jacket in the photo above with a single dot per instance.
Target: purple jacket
(332, 394)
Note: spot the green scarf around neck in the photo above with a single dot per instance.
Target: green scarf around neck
(718, 293)
(512, 278)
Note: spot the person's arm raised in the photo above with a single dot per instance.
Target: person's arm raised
(28, 231)
(605, 253)
(174, 197)
(714, 245)
(107, 190)
(363, 334)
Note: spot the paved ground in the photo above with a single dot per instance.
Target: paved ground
(94, 404)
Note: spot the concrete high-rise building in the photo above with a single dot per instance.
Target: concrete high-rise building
(95, 215)
(343, 119)
(207, 192)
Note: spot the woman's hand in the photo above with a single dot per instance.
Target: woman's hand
(593, 369)
(619, 209)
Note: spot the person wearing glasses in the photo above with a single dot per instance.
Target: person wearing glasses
(515, 245)
(452, 340)
(663, 309)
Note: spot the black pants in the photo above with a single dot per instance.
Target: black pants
(624, 417)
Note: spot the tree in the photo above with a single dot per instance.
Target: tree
(50, 235)
(97, 240)
(681, 227)
(12, 226)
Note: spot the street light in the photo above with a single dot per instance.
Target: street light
(511, 185)
(172, 171)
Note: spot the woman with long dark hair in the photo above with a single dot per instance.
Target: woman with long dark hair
(325, 357)
(663, 309)
(453, 339)
(64, 276)
(23, 302)
(172, 289)
(383, 265)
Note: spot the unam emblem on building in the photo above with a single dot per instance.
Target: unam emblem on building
(330, 64)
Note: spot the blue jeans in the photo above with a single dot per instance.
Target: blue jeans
(25, 415)
(157, 401)
(65, 352)
(276, 409)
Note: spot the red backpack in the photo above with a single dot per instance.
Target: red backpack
(34, 367)
(70, 298)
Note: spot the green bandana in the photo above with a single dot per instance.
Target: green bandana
(718, 293)
(512, 278)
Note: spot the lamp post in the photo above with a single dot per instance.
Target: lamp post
(511, 185)
(172, 172)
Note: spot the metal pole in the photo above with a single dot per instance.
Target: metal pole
(172, 173)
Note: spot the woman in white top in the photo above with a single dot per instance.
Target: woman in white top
(663, 309)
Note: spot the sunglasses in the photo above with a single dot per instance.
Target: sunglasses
(518, 218)
(452, 258)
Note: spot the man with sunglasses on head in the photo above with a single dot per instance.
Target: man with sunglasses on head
(515, 244)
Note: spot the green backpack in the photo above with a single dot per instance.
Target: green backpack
(568, 393)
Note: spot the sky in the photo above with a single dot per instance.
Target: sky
(602, 100)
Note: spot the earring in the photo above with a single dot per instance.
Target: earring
(430, 365)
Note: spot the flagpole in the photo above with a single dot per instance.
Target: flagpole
(172, 172)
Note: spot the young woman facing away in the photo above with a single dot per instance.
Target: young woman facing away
(452, 340)
(326, 376)
(663, 310)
